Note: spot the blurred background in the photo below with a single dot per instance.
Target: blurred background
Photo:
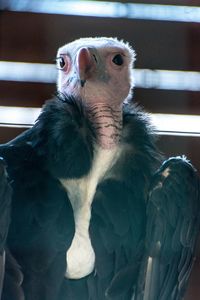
(165, 35)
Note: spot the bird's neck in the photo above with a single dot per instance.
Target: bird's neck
(107, 122)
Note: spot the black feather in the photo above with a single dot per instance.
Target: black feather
(131, 211)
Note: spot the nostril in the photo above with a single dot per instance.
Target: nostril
(95, 58)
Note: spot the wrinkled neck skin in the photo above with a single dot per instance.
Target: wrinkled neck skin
(104, 106)
(107, 122)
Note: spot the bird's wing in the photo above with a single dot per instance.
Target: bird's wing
(5, 205)
(5, 202)
(173, 217)
(11, 276)
(42, 223)
(12, 285)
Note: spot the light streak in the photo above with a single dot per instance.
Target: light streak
(169, 124)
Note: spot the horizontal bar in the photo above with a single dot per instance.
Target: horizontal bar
(170, 124)
(144, 78)
(27, 72)
(177, 123)
(167, 79)
(107, 9)
(7, 125)
(23, 116)
(176, 133)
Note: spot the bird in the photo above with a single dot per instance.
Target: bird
(97, 211)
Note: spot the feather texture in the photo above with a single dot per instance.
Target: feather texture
(172, 227)
(42, 220)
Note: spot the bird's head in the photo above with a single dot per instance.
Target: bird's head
(97, 71)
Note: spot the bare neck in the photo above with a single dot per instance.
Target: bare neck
(107, 121)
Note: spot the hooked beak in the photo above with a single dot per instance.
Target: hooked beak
(85, 65)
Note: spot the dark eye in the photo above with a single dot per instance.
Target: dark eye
(60, 62)
(118, 60)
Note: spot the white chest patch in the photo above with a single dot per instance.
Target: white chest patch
(80, 256)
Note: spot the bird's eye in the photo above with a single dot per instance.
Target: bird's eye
(63, 63)
(118, 60)
(60, 62)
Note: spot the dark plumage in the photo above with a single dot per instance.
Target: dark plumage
(5, 203)
(91, 207)
(5, 208)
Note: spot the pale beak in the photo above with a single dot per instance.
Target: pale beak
(85, 65)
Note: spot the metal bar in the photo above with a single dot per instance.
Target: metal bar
(143, 11)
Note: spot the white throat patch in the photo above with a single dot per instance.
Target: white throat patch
(80, 256)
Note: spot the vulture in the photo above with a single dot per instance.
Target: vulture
(96, 212)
